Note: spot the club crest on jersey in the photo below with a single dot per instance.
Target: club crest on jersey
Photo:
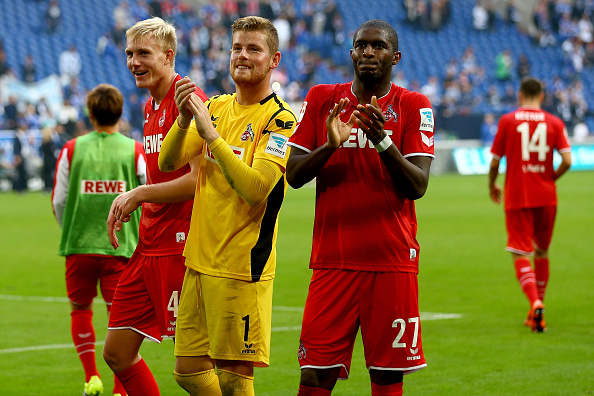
(302, 353)
(248, 134)
(162, 119)
(390, 114)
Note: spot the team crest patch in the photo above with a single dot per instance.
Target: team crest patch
(162, 119)
(248, 134)
(302, 353)
(426, 119)
(390, 114)
(277, 145)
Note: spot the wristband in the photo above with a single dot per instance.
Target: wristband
(384, 144)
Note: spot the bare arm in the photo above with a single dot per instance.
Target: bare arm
(179, 190)
(495, 191)
(302, 166)
(564, 165)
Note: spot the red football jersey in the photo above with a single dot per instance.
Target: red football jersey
(527, 138)
(361, 221)
(163, 227)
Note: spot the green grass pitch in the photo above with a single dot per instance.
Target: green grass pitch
(485, 350)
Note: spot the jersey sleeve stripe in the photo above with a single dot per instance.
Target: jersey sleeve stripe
(299, 147)
(419, 155)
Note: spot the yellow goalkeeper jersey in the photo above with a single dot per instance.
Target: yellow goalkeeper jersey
(229, 238)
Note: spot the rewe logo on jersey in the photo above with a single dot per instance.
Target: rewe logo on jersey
(152, 143)
(102, 186)
(238, 151)
(358, 139)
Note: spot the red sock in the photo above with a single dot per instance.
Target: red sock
(83, 336)
(386, 390)
(526, 278)
(118, 387)
(541, 270)
(309, 391)
(138, 380)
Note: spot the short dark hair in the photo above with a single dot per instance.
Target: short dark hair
(531, 87)
(256, 23)
(106, 104)
(381, 25)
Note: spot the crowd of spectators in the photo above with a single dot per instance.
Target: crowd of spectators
(462, 88)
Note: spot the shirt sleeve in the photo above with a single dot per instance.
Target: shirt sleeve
(140, 158)
(307, 124)
(498, 148)
(62, 181)
(273, 144)
(418, 138)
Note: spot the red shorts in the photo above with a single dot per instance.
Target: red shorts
(85, 271)
(385, 306)
(529, 228)
(147, 297)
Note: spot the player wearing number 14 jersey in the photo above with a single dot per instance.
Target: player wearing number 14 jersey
(527, 137)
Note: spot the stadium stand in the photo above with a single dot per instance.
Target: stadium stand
(318, 52)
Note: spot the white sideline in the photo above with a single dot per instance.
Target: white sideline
(424, 316)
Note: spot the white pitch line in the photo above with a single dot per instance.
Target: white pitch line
(33, 298)
(424, 316)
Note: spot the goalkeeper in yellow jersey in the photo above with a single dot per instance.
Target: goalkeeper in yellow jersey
(224, 317)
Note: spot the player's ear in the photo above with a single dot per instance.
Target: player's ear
(169, 56)
(397, 57)
(275, 60)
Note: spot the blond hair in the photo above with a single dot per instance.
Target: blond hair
(256, 23)
(163, 31)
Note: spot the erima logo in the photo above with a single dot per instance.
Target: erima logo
(214, 119)
(284, 125)
(248, 350)
(426, 119)
(414, 351)
(427, 140)
(277, 145)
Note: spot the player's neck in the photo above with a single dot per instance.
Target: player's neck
(249, 95)
(160, 90)
(364, 92)
(530, 105)
(106, 129)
